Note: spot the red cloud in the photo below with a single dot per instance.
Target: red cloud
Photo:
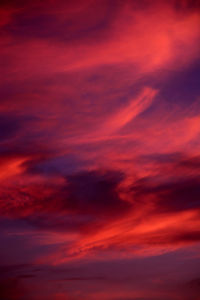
(99, 148)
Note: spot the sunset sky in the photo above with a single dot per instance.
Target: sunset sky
(100, 150)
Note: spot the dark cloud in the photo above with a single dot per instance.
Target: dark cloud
(175, 194)
(13, 3)
(182, 87)
(11, 289)
(26, 276)
(10, 126)
(190, 236)
(82, 278)
(178, 237)
(187, 5)
(34, 20)
(190, 289)
(4, 269)
(93, 192)
(59, 221)
(194, 284)
(85, 198)
(192, 163)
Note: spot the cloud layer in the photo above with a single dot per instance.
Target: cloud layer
(99, 150)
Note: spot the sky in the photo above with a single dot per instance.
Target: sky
(100, 150)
